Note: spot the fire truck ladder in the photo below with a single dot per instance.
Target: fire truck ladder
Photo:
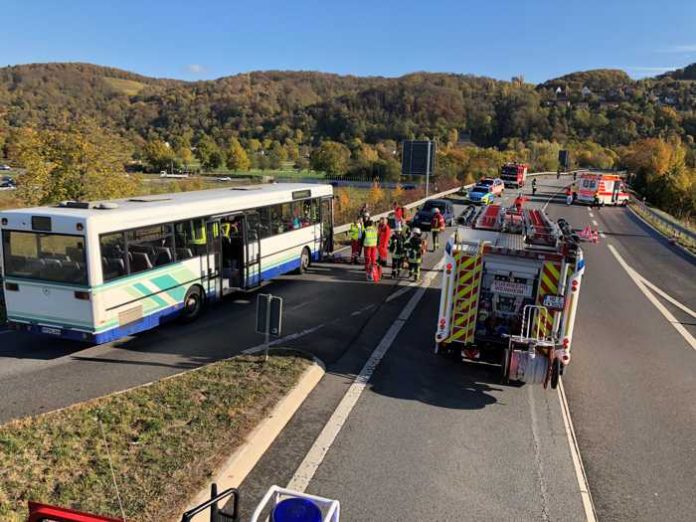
(540, 230)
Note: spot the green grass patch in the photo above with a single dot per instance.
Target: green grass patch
(166, 440)
(122, 86)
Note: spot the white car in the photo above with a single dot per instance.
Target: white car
(224, 178)
(5, 167)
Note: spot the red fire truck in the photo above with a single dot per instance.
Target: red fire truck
(510, 290)
(514, 174)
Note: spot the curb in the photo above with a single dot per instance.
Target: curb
(662, 234)
(238, 465)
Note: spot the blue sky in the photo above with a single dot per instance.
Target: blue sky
(208, 39)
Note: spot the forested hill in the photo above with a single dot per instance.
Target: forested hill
(605, 106)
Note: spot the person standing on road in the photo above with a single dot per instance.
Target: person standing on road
(519, 202)
(414, 252)
(383, 235)
(355, 233)
(370, 246)
(595, 201)
(437, 225)
(569, 196)
(534, 182)
(397, 246)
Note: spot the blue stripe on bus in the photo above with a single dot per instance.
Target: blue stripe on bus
(153, 320)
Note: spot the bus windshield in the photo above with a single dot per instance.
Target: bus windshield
(48, 257)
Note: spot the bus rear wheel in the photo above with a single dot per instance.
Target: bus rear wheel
(305, 260)
(193, 304)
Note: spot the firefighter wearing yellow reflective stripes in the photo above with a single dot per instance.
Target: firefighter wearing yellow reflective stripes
(414, 253)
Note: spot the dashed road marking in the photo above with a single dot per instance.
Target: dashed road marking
(305, 472)
(639, 280)
(591, 214)
(594, 222)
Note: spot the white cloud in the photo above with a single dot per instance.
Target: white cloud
(684, 48)
(195, 68)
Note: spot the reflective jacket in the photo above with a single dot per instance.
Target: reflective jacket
(354, 231)
(370, 237)
(397, 246)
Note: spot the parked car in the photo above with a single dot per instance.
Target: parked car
(495, 185)
(5, 167)
(424, 216)
(481, 194)
(223, 178)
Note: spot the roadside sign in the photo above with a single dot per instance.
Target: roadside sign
(269, 314)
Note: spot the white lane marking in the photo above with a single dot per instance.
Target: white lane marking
(296, 335)
(594, 222)
(580, 475)
(637, 279)
(591, 214)
(589, 209)
(305, 472)
(401, 291)
(602, 235)
(667, 297)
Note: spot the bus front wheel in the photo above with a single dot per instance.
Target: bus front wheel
(193, 304)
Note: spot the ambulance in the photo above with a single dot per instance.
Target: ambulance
(610, 188)
(510, 289)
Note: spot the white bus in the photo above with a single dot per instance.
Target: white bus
(100, 271)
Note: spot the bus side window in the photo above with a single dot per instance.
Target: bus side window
(253, 225)
(113, 255)
(265, 225)
(186, 242)
(149, 247)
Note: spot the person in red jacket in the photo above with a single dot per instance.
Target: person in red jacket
(519, 202)
(437, 226)
(383, 235)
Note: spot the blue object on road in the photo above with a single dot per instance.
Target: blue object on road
(296, 510)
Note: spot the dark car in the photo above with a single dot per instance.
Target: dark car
(424, 216)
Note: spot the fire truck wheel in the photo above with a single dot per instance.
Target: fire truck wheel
(505, 363)
(555, 373)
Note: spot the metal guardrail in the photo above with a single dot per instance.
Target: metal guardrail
(344, 228)
(676, 230)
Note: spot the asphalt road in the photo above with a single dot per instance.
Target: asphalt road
(431, 438)
(632, 383)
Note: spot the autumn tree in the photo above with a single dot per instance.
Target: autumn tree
(159, 155)
(209, 154)
(331, 157)
(82, 163)
(237, 158)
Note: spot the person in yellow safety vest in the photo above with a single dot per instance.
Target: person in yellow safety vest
(370, 245)
(226, 228)
(355, 233)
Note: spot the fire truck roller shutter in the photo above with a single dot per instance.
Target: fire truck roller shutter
(548, 285)
(468, 280)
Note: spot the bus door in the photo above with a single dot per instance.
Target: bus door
(214, 279)
(252, 250)
(326, 226)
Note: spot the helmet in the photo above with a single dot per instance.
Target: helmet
(437, 210)
(416, 231)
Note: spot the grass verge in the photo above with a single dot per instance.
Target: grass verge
(165, 439)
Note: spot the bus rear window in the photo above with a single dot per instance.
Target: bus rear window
(47, 257)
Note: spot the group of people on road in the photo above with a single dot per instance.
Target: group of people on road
(391, 237)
